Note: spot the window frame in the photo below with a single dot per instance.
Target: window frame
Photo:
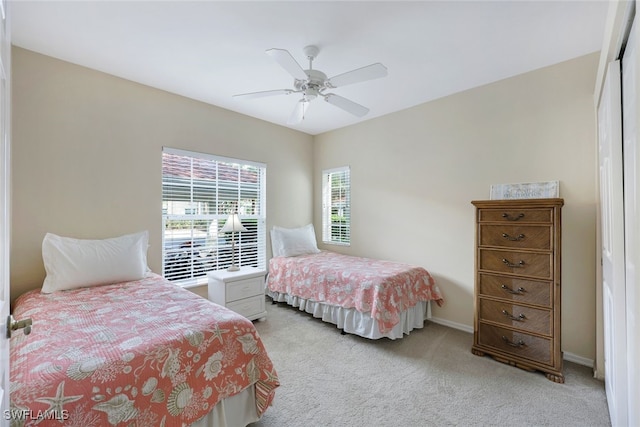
(329, 234)
(211, 188)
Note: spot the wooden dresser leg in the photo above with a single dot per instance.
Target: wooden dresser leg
(477, 352)
(556, 378)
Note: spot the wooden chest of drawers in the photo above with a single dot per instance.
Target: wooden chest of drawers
(517, 284)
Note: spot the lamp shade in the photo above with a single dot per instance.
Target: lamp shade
(233, 224)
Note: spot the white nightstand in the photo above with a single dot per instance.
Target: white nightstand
(241, 291)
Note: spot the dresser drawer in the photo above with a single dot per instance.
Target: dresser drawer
(532, 264)
(248, 307)
(516, 290)
(241, 289)
(516, 343)
(516, 236)
(516, 316)
(513, 215)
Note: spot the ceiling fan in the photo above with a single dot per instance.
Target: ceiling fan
(314, 83)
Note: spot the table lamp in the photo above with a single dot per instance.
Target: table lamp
(233, 225)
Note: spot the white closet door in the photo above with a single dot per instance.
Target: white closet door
(632, 224)
(613, 270)
(5, 199)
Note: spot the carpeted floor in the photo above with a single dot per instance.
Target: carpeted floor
(428, 378)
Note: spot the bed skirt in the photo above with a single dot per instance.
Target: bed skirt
(354, 322)
(234, 411)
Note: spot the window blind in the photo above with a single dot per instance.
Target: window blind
(336, 206)
(199, 192)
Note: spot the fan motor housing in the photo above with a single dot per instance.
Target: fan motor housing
(313, 85)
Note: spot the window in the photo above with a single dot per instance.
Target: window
(336, 206)
(199, 191)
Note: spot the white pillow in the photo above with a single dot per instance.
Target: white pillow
(293, 241)
(77, 263)
(275, 242)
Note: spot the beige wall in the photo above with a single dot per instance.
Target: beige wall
(86, 159)
(415, 172)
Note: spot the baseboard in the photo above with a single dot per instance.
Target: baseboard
(454, 325)
(570, 357)
(599, 375)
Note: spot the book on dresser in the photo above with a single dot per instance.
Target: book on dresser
(517, 297)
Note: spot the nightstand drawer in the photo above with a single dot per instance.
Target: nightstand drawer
(248, 306)
(241, 289)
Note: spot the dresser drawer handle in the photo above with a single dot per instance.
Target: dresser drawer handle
(518, 344)
(508, 263)
(512, 218)
(518, 291)
(520, 318)
(513, 239)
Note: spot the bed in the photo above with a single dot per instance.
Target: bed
(367, 297)
(139, 353)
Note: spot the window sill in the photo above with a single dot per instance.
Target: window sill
(337, 243)
(191, 283)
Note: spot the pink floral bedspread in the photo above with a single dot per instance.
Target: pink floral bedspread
(144, 353)
(383, 288)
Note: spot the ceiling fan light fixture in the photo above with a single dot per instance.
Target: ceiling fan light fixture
(310, 94)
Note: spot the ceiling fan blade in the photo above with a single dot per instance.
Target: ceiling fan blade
(346, 105)
(286, 61)
(370, 72)
(298, 113)
(263, 93)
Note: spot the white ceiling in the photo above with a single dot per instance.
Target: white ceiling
(211, 50)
